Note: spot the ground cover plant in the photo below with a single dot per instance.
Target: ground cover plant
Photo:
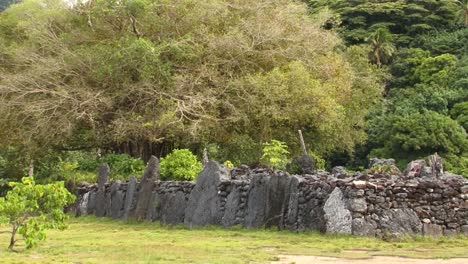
(92, 240)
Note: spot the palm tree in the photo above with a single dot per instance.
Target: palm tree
(463, 4)
(382, 46)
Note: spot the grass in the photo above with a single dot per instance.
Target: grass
(101, 240)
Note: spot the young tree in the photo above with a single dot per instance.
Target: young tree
(32, 208)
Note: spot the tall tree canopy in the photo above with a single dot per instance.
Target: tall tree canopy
(110, 73)
(424, 110)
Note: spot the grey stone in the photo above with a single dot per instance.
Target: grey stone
(117, 197)
(290, 206)
(314, 216)
(154, 212)
(277, 188)
(337, 216)
(103, 175)
(450, 232)
(339, 172)
(129, 196)
(232, 207)
(364, 227)
(432, 230)
(464, 229)
(173, 207)
(415, 168)
(92, 202)
(400, 221)
(257, 201)
(145, 196)
(101, 199)
(204, 204)
(357, 205)
(83, 205)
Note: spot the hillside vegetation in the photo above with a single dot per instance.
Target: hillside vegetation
(141, 77)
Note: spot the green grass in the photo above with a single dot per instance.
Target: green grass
(101, 240)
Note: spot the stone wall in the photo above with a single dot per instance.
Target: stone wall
(370, 204)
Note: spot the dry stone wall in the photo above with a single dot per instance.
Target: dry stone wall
(367, 204)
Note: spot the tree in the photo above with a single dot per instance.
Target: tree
(382, 47)
(275, 154)
(148, 77)
(32, 208)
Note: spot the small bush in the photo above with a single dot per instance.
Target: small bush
(180, 165)
(275, 154)
(32, 208)
(228, 164)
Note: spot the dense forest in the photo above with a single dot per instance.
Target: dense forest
(140, 77)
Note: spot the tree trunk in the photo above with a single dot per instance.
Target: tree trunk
(12, 239)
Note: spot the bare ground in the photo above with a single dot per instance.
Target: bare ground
(288, 259)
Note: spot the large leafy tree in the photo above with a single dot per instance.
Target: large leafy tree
(126, 75)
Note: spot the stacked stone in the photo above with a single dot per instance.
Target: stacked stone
(370, 204)
(313, 193)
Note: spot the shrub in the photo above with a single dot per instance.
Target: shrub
(275, 154)
(228, 164)
(180, 165)
(32, 208)
(123, 165)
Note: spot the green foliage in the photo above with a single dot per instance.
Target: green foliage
(459, 112)
(82, 166)
(275, 154)
(228, 164)
(32, 208)
(320, 163)
(382, 46)
(231, 73)
(180, 165)
(123, 165)
(417, 135)
(456, 164)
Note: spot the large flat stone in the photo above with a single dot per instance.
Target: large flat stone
(204, 205)
(337, 216)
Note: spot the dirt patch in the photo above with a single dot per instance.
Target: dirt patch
(288, 259)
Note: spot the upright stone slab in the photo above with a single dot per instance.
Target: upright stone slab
(154, 211)
(146, 188)
(256, 213)
(277, 188)
(337, 216)
(103, 176)
(92, 202)
(129, 196)
(83, 205)
(204, 204)
(173, 207)
(290, 206)
(116, 200)
(232, 206)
